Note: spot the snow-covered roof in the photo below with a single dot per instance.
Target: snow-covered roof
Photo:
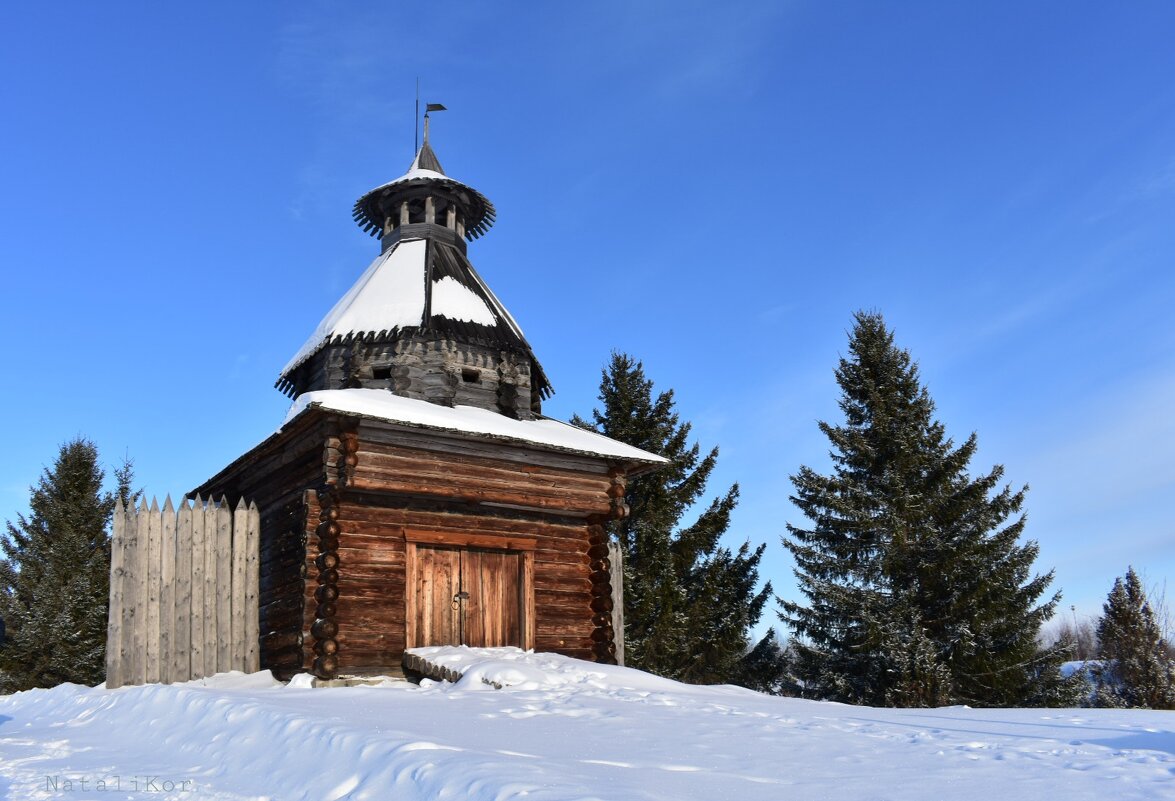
(390, 295)
(477, 211)
(412, 175)
(380, 404)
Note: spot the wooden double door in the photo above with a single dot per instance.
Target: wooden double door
(469, 596)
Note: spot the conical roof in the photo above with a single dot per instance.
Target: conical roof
(415, 285)
(426, 159)
(422, 285)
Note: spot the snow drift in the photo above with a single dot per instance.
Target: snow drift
(558, 730)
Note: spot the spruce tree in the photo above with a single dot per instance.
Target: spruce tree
(917, 590)
(689, 602)
(767, 668)
(55, 574)
(1138, 669)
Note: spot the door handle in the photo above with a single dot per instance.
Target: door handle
(459, 597)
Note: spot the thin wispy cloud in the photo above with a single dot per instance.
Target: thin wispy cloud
(1107, 452)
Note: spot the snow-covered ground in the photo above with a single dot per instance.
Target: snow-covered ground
(559, 729)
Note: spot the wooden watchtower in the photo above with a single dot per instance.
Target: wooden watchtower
(415, 495)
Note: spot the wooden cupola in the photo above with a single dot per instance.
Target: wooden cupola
(420, 321)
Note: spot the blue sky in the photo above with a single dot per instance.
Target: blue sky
(712, 188)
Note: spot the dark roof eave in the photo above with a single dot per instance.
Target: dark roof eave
(481, 213)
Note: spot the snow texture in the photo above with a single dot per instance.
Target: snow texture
(568, 731)
(454, 300)
(389, 295)
(415, 172)
(381, 404)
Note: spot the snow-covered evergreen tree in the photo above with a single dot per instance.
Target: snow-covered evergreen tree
(918, 591)
(767, 668)
(1137, 670)
(55, 574)
(689, 603)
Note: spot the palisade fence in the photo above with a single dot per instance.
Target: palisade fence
(184, 585)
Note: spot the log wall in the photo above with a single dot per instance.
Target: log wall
(479, 473)
(371, 578)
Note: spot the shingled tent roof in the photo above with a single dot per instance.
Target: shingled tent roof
(420, 283)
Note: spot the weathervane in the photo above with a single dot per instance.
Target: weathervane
(428, 108)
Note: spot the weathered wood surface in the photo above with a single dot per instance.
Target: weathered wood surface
(425, 365)
(115, 626)
(252, 591)
(506, 495)
(422, 667)
(471, 539)
(384, 459)
(493, 612)
(236, 636)
(137, 579)
(224, 588)
(196, 614)
(167, 574)
(616, 557)
(281, 565)
(383, 433)
(437, 581)
(482, 479)
(167, 571)
(211, 579)
(309, 586)
(374, 575)
(184, 569)
(154, 585)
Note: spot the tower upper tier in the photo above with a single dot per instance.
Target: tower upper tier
(420, 321)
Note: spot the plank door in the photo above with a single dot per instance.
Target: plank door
(493, 608)
(438, 582)
(468, 597)
(469, 589)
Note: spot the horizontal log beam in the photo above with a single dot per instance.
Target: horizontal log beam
(354, 515)
(457, 468)
(565, 502)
